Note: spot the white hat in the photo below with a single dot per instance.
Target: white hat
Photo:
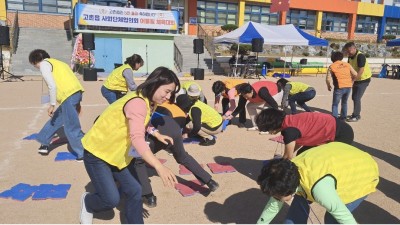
(193, 90)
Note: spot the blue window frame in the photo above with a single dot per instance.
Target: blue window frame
(335, 22)
(367, 24)
(302, 19)
(43, 6)
(221, 13)
(392, 26)
(260, 14)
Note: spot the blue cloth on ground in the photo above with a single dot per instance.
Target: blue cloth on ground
(30, 137)
(52, 191)
(225, 124)
(19, 192)
(193, 140)
(281, 75)
(62, 156)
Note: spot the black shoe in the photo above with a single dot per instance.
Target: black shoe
(207, 142)
(212, 185)
(353, 119)
(242, 125)
(150, 201)
(44, 150)
(80, 159)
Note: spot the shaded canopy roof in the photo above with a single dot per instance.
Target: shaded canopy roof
(272, 35)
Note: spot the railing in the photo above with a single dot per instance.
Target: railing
(178, 58)
(208, 43)
(15, 34)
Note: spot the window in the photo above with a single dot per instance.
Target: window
(392, 26)
(302, 19)
(367, 24)
(46, 6)
(260, 14)
(335, 22)
(216, 12)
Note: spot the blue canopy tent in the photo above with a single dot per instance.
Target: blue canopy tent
(395, 42)
(286, 35)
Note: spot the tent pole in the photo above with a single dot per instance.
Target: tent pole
(237, 58)
(284, 63)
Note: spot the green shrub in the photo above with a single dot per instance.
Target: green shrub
(306, 53)
(389, 36)
(243, 48)
(229, 27)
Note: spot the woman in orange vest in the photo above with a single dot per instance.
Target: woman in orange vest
(227, 89)
(342, 74)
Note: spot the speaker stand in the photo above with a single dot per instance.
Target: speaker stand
(3, 71)
(147, 64)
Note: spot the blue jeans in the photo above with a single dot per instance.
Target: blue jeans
(107, 195)
(356, 95)
(299, 211)
(67, 116)
(109, 95)
(301, 99)
(340, 94)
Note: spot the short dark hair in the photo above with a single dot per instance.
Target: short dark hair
(282, 82)
(270, 119)
(133, 60)
(218, 87)
(37, 56)
(280, 177)
(245, 88)
(160, 76)
(336, 56)
(349, 44)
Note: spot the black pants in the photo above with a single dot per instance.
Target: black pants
(225, 108)
(357, 93)
(344, 134)
(167, 126)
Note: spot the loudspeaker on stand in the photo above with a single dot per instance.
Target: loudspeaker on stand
(198, 46)
(88, 41)
(257, 44)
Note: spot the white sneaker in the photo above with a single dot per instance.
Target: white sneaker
(263, 132)
(252, 129)
(85, 217)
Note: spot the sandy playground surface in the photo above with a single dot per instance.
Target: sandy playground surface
(238, 200)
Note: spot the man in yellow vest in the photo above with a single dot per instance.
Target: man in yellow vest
(66, 90)
(336, 175)
(359, 62)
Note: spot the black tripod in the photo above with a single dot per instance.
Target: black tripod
(3, 71)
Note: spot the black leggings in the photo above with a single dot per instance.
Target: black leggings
(167, 126)
(344, 134)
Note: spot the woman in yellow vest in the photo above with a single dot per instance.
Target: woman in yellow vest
(336, 175)
(120, 80)
(166, 119)
(296, 92)
(116, 138)
(66, 90)
(204, 120)
(342, 75)
(360, 64)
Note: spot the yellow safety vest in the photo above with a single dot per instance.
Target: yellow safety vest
(116, 81)
(355, 172)
(187, 84)
(108, 139)
(297, 87)
(209, 115)
(66, 82)
(367, 70)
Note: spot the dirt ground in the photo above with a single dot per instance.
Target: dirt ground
(238, 200)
